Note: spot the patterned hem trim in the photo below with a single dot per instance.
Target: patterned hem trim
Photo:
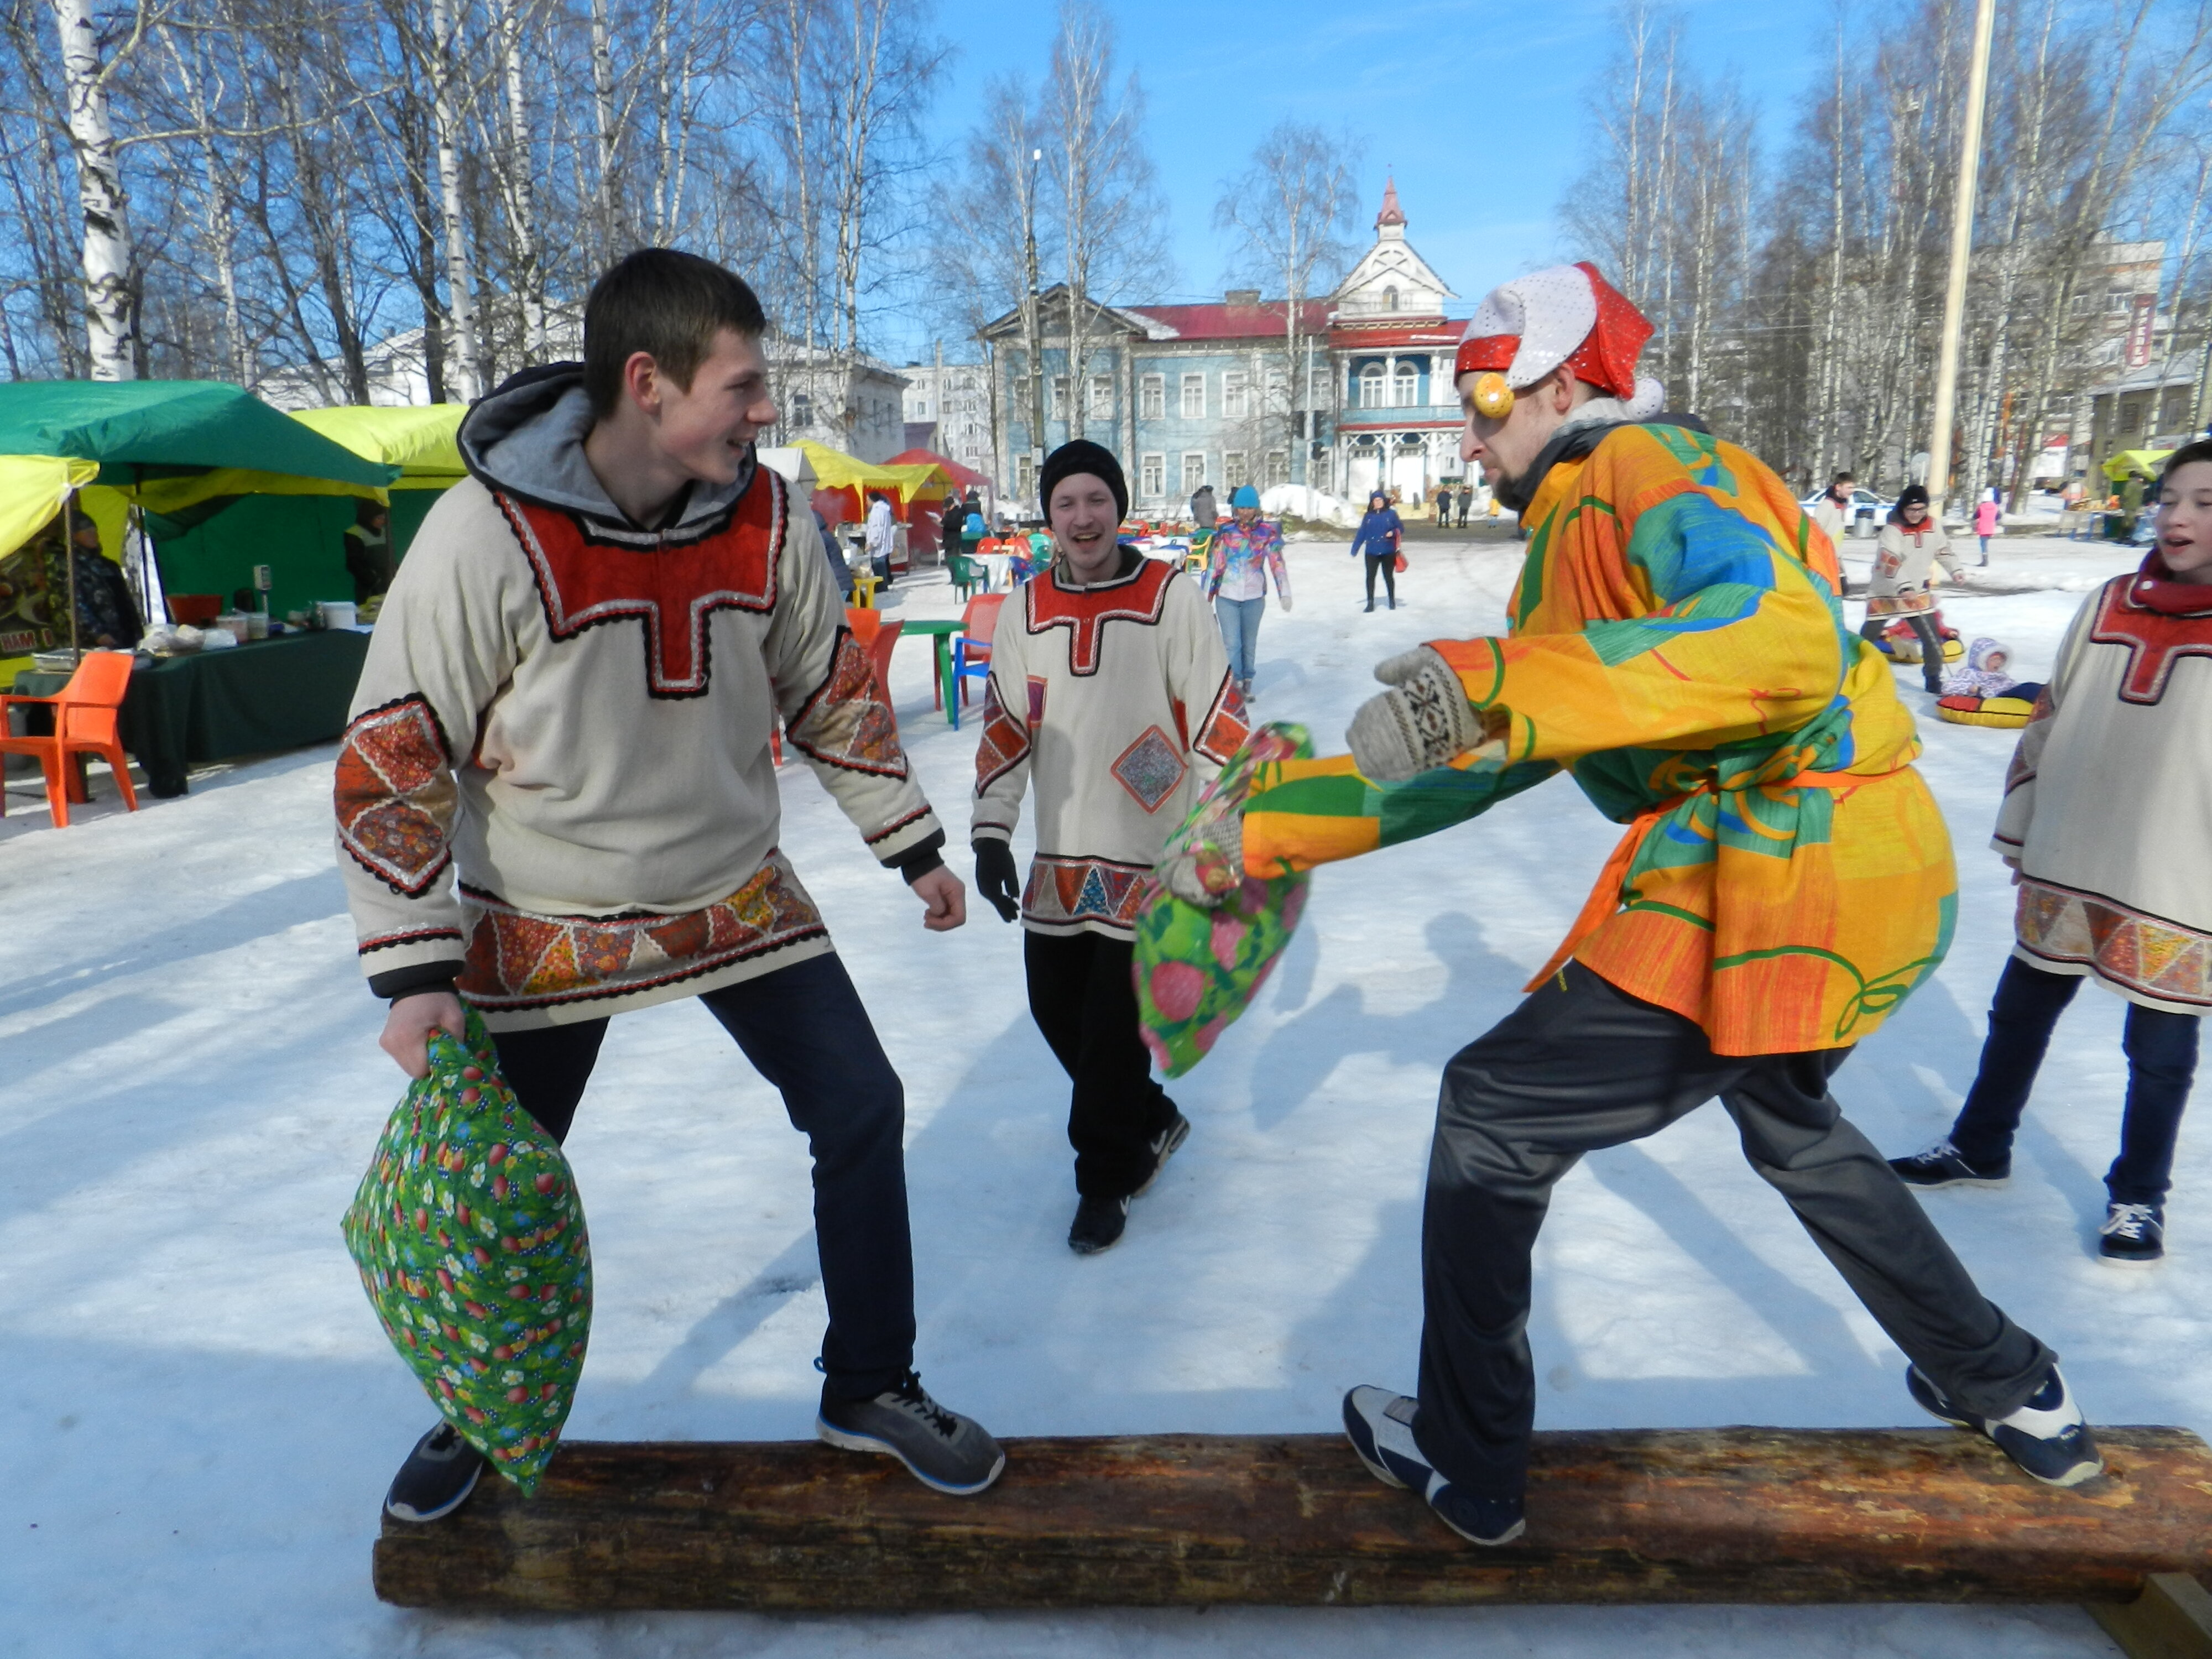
(2127, 948)
(519, 960)
(1066, 892)
(890, 830)
(387, 941)
(394, 794)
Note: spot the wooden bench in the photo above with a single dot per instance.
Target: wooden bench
(1740, 1514)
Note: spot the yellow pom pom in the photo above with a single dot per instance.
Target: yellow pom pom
(1492, 396)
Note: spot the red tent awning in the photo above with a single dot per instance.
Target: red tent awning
(966, 477)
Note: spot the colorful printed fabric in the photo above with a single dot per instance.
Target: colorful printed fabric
(520, 961)
(1677, 646)
(1240, 558)
(1197, 969)
(471, 1242)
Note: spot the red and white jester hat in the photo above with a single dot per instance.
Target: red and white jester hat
(1528, 327)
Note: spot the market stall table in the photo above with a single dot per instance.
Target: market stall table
(212, 705)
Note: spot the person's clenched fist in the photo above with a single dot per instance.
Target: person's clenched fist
(1423, 721)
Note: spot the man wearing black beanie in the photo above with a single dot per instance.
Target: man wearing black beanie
(1115, 656)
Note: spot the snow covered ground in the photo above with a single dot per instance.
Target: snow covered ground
(198, 1414)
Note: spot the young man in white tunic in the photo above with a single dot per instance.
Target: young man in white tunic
(2108, 825)
(555, 800)
(1110, 692)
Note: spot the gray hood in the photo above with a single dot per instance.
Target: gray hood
(527, 439)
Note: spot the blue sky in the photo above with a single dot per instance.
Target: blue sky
(1476, 107)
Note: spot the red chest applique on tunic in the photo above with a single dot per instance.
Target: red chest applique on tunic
(2155, 642)
(589, 574)
(1084, 611)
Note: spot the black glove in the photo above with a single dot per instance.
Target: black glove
(997, 880)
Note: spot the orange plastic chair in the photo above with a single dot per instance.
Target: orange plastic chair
(971, 647)
(85, 722)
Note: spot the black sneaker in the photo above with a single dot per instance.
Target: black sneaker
(2047, 1436)
(1099, 1222)
(1942, 1165)
(2133, 1236)
(1380, 1425)
(436, 1479)
(1163, 1147)
(944, 1450)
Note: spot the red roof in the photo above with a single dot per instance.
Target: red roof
(1227, 322)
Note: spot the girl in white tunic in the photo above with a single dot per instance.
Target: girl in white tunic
(1912, 544)
(2108, 825)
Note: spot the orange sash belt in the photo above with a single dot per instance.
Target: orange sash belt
(1605, 898)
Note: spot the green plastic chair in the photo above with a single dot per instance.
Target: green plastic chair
(966, 574)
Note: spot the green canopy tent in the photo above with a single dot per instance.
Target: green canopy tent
(190, 454)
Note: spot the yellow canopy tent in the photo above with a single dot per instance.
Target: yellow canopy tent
(421, 442)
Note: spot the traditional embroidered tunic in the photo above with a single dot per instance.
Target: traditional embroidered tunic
(573, 718)
(1116, 699)
(1903, 561)
(2108, 800)
(1677, 646)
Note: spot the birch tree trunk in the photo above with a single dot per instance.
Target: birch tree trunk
(511, 21)
(467, 351)
(111, 338)
(609, 224)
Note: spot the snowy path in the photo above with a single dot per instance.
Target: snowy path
(198, 1412)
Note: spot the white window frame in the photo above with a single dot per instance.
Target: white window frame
(1194, 471)
(1277, 396)
(1405, 387)
(1152, 475)
(1099, 406)
(1374, 386)
(1233, 473)
(1153, 398)
(1056, 408)
(1194, 398)
(1236, 394)
(1277, 468)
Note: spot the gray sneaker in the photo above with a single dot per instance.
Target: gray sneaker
(944, 1450)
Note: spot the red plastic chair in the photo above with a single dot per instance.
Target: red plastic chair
(971, 647)
(85, 722)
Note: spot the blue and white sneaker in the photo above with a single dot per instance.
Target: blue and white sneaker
(1380, 1425)
(2133, 1236)
(1944, 1165)
(2047, 1436)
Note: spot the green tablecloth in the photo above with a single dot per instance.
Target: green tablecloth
(270, 694)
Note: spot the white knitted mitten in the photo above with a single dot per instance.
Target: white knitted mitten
(1425, 722)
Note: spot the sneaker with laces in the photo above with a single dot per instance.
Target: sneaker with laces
(944, 1450)
(1943, 1166)
(2047, 1436)
(1380, 1425)
(2133, 1236)
(436, 1479)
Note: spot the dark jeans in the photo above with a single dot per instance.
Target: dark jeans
(1931, 643)
(1387, 564)
(804, 1030)
(2161, 1051)
(1083, 1001)
(1581, 1065)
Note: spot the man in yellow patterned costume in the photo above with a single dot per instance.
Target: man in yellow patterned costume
(1675, 645)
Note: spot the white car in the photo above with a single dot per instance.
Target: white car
(1869, 511)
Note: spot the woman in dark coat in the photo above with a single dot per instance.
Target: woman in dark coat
(1378, 537)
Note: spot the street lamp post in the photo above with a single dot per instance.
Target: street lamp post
(1031, 330)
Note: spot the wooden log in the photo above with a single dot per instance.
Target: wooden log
(1741, 1515)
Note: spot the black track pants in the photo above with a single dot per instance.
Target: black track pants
(1084, 1002)
(1581, 1065)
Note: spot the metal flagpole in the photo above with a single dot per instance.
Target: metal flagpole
(1962, 244)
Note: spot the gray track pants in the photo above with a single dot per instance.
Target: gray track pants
(1581, 1065)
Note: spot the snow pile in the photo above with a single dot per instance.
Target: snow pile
(1317, 506)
